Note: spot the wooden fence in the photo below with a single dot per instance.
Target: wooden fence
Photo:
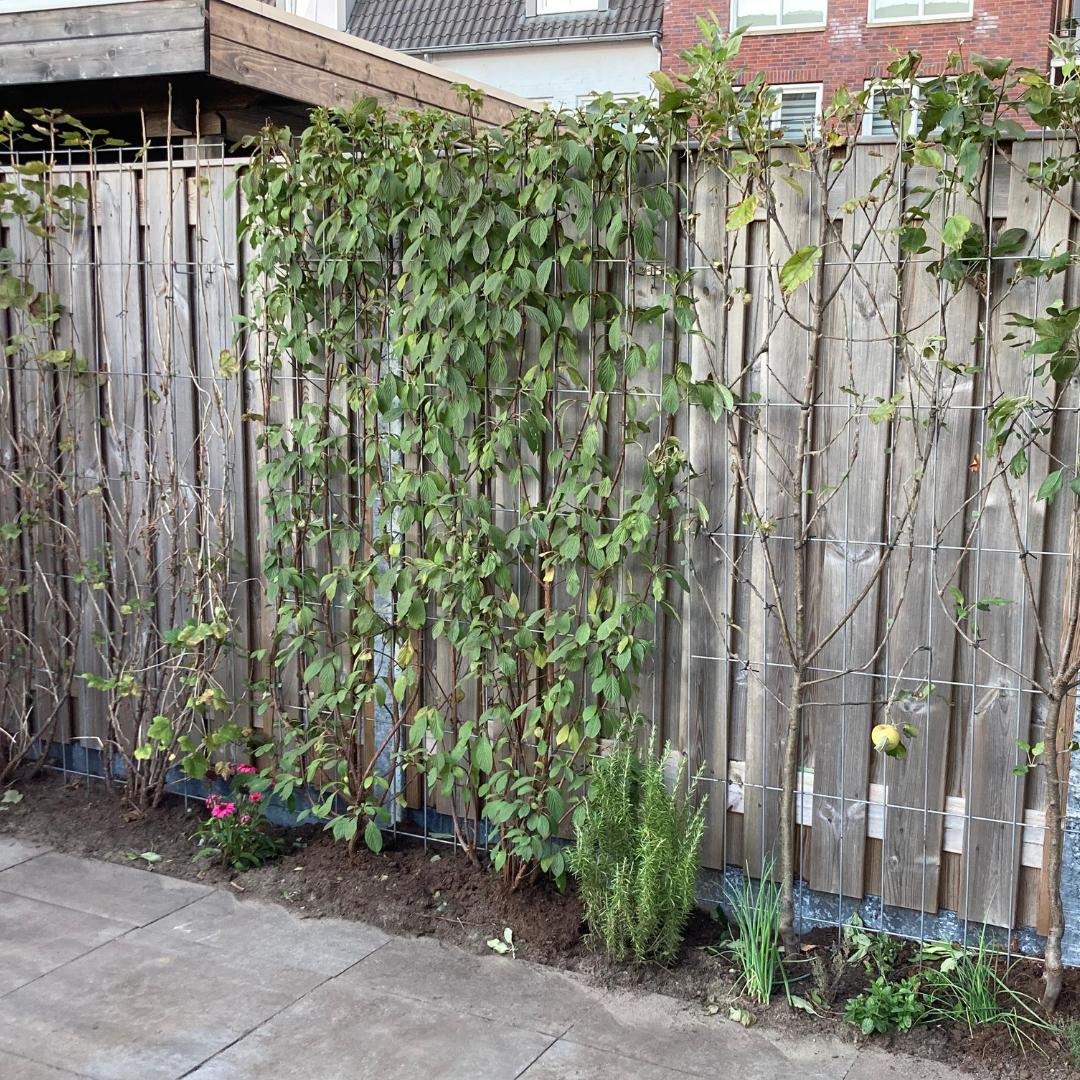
(150, 281)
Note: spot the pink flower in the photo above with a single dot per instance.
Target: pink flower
(212, 800)
(246, 769)
(255, 796)
(245, 819)
(224, 810)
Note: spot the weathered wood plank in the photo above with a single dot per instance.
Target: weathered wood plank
(920, 659)
(720, 270)
(173, 424)
(295, 44)
(78, 386)
(855, 374)
(307, 67)
(102, 22)
(220, 404)
(772, 467)
(162, 52)
(41, 463)
(122, 360)
(1001, 710)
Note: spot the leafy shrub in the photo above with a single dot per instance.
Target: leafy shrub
(886, 1006)
(876, 952)
(235, 832)
(756, 950)
(636, 854)
(966, 985)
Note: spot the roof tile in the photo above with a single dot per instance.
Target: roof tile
(418, 26)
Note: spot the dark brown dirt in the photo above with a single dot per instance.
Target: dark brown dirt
(435, 891)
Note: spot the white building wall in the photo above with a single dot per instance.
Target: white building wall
(559, 74)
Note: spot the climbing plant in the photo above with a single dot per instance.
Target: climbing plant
(102, 586)
(472, 473)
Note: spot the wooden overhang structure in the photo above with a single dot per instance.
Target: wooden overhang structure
(224, 66)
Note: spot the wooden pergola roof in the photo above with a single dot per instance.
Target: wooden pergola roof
(242, 61)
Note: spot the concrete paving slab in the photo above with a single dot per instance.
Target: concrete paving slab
(18, 1068)
(13, 852)
(492, 987)
(666, 1033)
(343, 1032)
(36, 937)
(871, 1064)
(21, 1068)
(121, 893)
(266, 935)
(572, 1061)
(142, 1010)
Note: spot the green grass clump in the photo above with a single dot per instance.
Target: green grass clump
(1070, 1034)
(755, 911)
(967, 985)
(636, 854)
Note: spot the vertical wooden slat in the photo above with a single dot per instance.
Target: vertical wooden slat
(854, 378)
(84, 558)
(221, 406)
(1002, 706)
(121, 304)
(710, 601)
(773, 463)
(172, 370)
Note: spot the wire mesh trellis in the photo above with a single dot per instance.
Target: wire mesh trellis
(152, 283)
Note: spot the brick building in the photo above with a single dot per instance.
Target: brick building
(808, 48)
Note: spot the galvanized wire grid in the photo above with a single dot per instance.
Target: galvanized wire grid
(732, 534)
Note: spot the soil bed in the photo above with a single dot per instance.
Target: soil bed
(435, 891)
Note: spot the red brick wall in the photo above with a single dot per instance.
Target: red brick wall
(848, 51)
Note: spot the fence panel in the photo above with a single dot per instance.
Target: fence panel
(158, 443)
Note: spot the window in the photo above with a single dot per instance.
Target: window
(565, 7)
(879, 121)
(918, 10)
(778, 14)
(588, 101)
(797, 111)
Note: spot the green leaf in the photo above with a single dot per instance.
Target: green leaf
(799, 269)
(742, 213)
(582, 311)
(669, 395)
(1009, 242)
(954, 231)
(1049, 488)
(483, 755)
(993, 69)
(605, 372)
(373, 836)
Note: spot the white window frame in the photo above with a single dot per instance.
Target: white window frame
(780, 27)
(566, 7)
(903, 20)
(876, 86)
(916, 99)
(799, 88)
(584, 100)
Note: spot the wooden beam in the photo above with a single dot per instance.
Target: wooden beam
(111, 20)
(253, 67)
(165, 52)
(290, 44)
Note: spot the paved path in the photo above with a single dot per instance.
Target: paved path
(113, 973)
